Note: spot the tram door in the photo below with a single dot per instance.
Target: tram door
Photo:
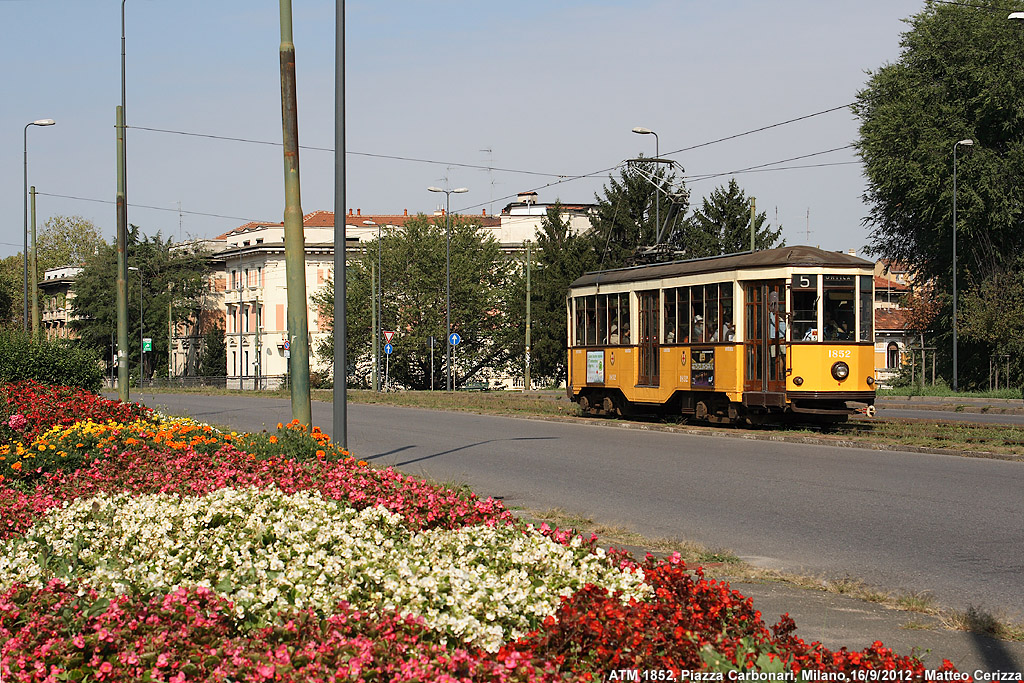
(765, 343)
(647, 373)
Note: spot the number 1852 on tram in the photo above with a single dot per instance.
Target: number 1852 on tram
(752, 337)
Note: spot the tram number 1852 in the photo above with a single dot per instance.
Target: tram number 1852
(839, 353)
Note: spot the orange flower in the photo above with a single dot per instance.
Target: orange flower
(321, 454)
(361, 463)
(280, 425)
(273, 439)
(16, 466)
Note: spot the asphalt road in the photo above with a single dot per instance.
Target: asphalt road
(908, 522)
(951, 416)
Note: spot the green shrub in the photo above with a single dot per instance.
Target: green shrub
(59, 361)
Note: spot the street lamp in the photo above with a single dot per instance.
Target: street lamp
(639, 130)
(379, 306)
(40, 122)
(966, 143)
(448, 278)
(142, 361)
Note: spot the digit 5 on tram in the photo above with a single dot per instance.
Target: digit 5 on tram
(751, 337)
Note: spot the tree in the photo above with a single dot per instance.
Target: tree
(561, 258)
(213, 361)
(12, 290)
(722, 225)
(992, 315)
(175, 277)
(627, 215)
(66, 241)
(958, 77)
(413, 262)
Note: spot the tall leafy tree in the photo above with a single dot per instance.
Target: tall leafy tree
(67, 241)
(483, 307)
(213, 360)
(958, 77)
(562, 256)
(175, 277)
(12, 290)
(628, 214)
(722, 225)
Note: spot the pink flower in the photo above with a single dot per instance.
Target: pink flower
(17, 422)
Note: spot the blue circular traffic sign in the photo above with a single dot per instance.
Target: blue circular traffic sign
(388, 348)
(454, 339)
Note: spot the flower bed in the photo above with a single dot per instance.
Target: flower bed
(139, 547)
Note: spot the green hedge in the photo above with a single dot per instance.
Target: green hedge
(59, 361)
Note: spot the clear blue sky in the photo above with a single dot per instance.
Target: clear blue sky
(547, 87)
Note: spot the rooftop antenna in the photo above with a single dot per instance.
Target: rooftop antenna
(808, 236)
(179, 221)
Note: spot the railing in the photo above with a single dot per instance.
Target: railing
(250, 383)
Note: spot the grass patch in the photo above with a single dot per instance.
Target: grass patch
(980, 621)
(942, 390)
(915, 626)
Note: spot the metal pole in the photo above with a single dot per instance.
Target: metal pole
(25, 252)
(34, 270)
(753, 215)
(340, 414)
(955, 384)
(526, 375)
(380, 295)
(657, 188)
(170, 339)
(122, 267)
(124, 143)
(448, 289)
(295, 244)
(374, 328)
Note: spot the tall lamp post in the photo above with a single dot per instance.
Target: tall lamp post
(40, 122)
(448, 278)
(142, 334)
(640, 130)
(966, 143)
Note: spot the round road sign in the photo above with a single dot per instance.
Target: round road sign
(388, 348)
(454, 339)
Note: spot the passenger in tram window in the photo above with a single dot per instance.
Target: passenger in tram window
(698, 329)
(670, 331)
(730, 332)
(613, 333)
(625, 332)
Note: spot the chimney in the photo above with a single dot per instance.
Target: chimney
(350, 212)
(405, 212)
(359, 212)
(852, 252)
(484, 213)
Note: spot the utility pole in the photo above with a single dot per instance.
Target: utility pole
(374, 327)
(122, 267)
(294, 239)
(170, 337)
(34, 266)
(340, 395)
(753, 215)
(526, 375)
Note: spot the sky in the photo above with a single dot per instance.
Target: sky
(500, 97)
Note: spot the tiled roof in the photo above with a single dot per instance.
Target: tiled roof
(891, 318)
(325, 219)
(883, 283)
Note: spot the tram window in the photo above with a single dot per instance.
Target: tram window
(711, 312)
(581, 320)
(839, 316)
(624, 318)
(670, 316)
(805, 315)
(697, 315)
(602, 319)
(725, 330)
(867, 307)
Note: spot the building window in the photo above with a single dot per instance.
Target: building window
(892, 356)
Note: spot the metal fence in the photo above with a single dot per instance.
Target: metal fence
(262, 383)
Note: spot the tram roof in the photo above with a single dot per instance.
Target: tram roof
(810, 257)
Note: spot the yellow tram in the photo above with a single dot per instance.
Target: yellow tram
(749, 337)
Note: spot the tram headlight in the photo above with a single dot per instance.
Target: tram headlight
(798, 381)
(840, 370)
(870, 381)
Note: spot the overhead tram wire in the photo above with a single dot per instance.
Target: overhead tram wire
(154, 208)
(361, 154)
(706, 176)
(686, 149)
(562, 178)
